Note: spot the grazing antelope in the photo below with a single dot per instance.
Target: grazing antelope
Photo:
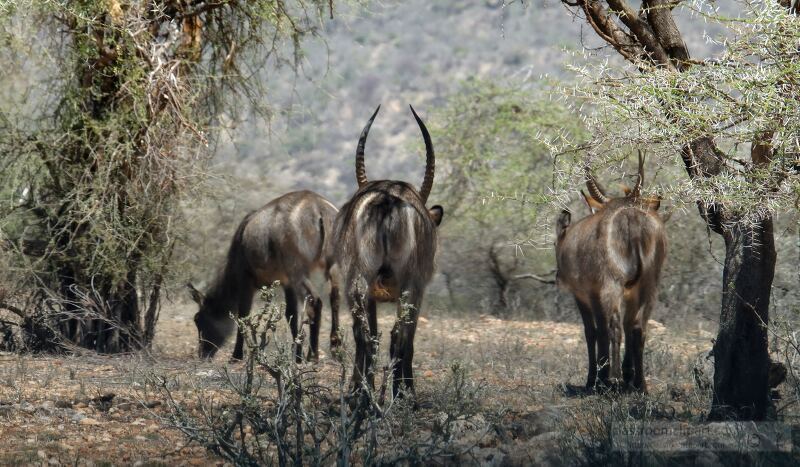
(283, 241)
(611, 261)
(385, 244)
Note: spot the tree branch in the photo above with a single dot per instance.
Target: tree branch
(643, 32)
(534, 277)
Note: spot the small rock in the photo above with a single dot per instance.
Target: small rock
(27, 407)
(88, 421)
(41, 454)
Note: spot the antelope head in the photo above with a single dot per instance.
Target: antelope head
(597, 199)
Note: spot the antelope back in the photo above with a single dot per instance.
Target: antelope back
(285, 240)
(623, 243)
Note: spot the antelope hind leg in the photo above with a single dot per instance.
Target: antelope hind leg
(402, 346)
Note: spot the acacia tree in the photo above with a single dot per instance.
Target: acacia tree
(705, 111)
(93, 171)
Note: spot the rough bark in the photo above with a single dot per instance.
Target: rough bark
(741, 355)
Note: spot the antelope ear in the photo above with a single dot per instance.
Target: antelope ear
(436, 213)
(563, 221)
(593, 204)
(652, 204)
(196, 295)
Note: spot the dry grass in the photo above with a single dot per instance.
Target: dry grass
(61, 409)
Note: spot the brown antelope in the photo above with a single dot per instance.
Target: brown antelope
(384, 240)
(283, 241)
(611, 261)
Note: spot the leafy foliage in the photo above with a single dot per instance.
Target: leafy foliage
(742, 97)
(496, 175)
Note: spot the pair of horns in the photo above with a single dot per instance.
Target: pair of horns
(430, 159)
(598, 193)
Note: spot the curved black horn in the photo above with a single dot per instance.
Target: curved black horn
(361, 171)
(430, 159)
(595, 190)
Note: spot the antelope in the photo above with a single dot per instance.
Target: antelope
(611, 261)
(282, 241)
(385, 244)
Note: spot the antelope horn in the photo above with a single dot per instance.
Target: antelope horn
(595, 190)
(361, 171)
(640, 177)
(430, 160)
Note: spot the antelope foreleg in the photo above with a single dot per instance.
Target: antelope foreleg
(245, 303)
(336, 339)
(292, 318)
(602, 328)
(590, 333)
(314, 313)
(638, 337)
(627, 362)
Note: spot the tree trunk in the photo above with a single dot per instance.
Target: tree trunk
(741, 351)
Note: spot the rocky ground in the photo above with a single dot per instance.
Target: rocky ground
(90, 409)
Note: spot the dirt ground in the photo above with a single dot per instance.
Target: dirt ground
(93, 410)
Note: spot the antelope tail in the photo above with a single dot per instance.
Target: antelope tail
(638, 253)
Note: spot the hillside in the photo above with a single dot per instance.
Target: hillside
(397, 53)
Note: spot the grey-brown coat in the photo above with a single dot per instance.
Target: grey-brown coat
(611, 261)
(282, 241)
(384, 241)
